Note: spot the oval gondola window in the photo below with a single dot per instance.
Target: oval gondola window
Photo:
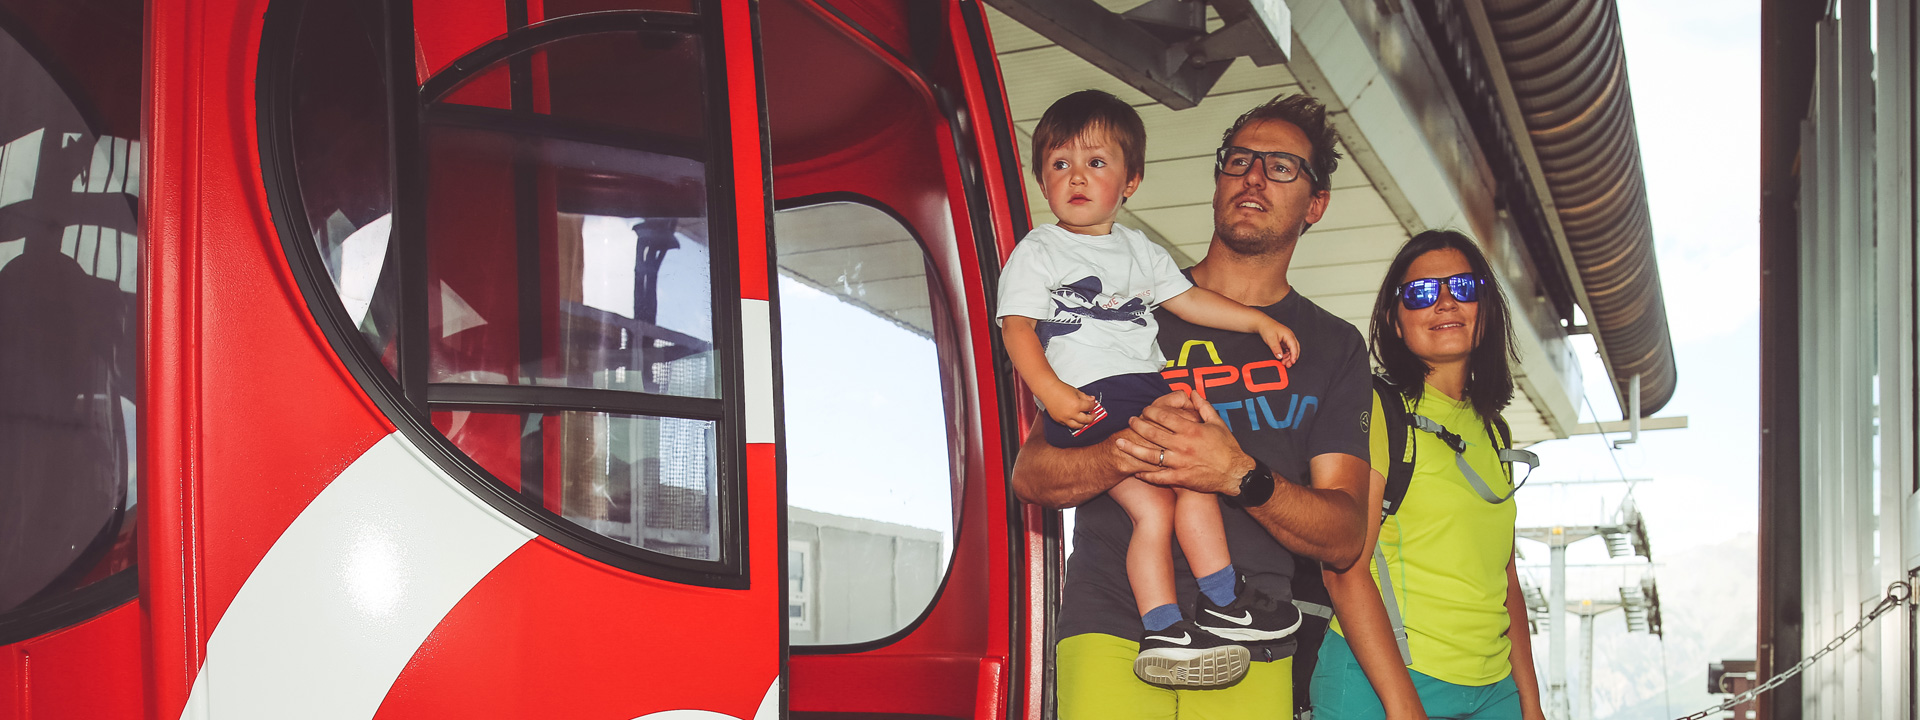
(69, 310)
(566, 341)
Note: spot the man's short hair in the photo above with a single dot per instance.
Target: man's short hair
(1076, 114)
(1310, 116)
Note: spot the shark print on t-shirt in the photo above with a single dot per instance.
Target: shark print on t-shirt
(1082, 300)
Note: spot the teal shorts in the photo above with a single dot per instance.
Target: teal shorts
(1341, 691)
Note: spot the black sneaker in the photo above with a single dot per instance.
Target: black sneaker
(1186, 656)
(1252, 617)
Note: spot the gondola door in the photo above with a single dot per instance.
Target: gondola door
(903, 547)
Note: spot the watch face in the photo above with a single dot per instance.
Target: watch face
(1255, 487)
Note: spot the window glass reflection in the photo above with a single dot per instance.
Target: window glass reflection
(339, 128)
(568, 264)
(69, 304)
(567, 247)
(648, 482)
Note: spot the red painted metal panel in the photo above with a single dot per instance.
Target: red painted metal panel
(749, 162)
(90, 671)
(980, 106)
(447, 29)
(169, 561)
(249, 412)
(13, 683)
(280, 417)
(990, 691)
(548, 634)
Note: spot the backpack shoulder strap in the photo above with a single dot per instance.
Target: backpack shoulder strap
(1398, 421)
(1400, 445)
(1503, 448)
(1502, 436)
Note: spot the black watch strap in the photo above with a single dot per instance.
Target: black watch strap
(1256, 487)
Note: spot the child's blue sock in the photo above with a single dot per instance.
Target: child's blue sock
(1159, 618)
(1219, 586)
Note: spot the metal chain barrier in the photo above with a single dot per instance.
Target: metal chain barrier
(1898, 594)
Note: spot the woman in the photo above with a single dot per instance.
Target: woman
(1442, 337)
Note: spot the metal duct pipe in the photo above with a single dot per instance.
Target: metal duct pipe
(1568, 71)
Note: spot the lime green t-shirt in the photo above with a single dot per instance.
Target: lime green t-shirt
(1448, 549)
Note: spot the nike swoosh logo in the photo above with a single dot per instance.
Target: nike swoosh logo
(1242, 621)
(1185, 639)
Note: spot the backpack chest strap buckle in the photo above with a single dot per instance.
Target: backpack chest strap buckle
(1452, 439)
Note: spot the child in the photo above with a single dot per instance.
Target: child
(1075, 305)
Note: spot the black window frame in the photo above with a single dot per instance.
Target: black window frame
(35, 618)
(409, 399)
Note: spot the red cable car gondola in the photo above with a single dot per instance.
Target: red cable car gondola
(496, 359)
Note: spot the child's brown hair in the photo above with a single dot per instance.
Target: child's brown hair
(1076, 114)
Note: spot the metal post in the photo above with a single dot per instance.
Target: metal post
(1557, 628)
(1586, 664)
(1632, 412)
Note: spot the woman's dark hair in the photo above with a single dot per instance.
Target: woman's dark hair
(1489, 377)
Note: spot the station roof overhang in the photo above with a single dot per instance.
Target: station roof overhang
(1413, 160)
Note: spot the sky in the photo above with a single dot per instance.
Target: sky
(1694, 70)
(850, 374)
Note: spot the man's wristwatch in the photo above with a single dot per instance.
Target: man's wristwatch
(1256, 487)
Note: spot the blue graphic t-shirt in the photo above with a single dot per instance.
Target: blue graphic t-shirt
(1282, 416)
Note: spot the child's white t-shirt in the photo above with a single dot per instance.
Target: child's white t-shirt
(1093, 296)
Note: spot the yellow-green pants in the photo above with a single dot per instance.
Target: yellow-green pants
(1094, 680)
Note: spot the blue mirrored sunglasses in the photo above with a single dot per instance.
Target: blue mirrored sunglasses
(1423, 293)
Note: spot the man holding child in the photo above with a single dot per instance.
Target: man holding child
(1268, 421)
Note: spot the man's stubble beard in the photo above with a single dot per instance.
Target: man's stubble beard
(1255, 242)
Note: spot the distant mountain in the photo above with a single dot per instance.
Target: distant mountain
(1708, 598)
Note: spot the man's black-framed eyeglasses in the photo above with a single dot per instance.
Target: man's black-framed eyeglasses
(1281, 167)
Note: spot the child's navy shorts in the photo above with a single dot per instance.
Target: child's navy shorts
(1123, 396)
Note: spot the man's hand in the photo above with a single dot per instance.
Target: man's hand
(1058, 478)
(1325, 521)
(1200, 453)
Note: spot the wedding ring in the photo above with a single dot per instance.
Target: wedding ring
(1162, 461)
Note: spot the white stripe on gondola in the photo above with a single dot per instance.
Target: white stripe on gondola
(756, 335)
(340, 603)
(769, 709)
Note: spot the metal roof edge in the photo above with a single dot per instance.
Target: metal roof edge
(1610, 328)
(1384, 102)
